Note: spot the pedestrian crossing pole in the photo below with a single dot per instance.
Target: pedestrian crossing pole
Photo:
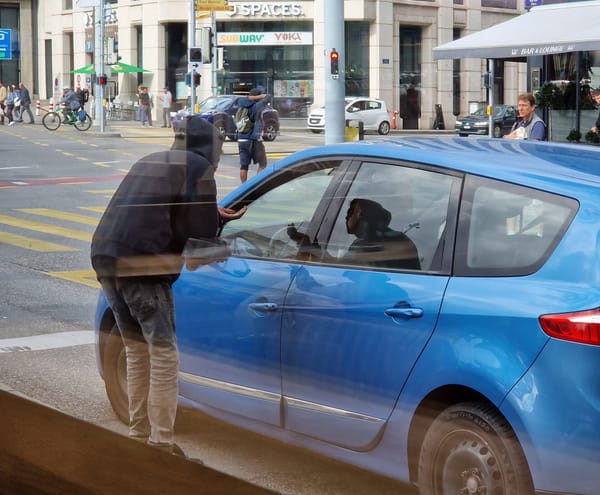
(192, 43)
(335, 80)
(99, 62)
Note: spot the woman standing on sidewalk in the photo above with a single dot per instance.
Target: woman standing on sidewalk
(9, 104)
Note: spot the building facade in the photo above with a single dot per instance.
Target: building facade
(275, 44)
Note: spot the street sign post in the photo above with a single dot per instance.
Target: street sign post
(5, 44)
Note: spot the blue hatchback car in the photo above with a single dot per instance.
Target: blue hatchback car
(425, 308)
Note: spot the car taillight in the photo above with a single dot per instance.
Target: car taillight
(582, 327)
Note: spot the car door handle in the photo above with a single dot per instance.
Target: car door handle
(404, 312)
(263, 307)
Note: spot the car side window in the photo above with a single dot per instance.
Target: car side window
(393, 217)
(280, 209)
(509, 230)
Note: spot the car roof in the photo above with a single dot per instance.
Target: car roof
(570, 170)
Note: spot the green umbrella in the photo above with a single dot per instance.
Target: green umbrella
(122, 68)
(86, 69)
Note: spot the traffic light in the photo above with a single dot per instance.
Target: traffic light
(206, 42)
(195, 54)
(197, 77)
(334, 57)
(101, 79)
(486, 79)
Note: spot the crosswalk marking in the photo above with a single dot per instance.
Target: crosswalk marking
(97, 209)
(33, 244)
(45, 228)
(46, 341)
(61, 215)
(85, 277)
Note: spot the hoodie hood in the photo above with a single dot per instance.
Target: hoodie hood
(200, 137)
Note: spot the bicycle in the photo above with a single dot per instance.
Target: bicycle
(53, 120)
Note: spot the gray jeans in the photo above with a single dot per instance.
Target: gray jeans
(145, 315)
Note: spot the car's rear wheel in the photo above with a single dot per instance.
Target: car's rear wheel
(114, 364)
(270, 130)
(497, 131)
(316, 131)
(384, 128)
(470, 448)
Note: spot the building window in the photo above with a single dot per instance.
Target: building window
(500, 4)
(357, 58)
(499, 81)
(456, 79)
(285, 70)
(10, 69)
(410, 76)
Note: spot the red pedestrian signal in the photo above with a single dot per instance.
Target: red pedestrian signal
(102, 79)
(334, 58)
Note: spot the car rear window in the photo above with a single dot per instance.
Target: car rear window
(508, 230)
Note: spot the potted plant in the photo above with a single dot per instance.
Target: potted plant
(574, 136)
(592, 137)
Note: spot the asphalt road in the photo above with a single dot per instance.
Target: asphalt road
(54, 187)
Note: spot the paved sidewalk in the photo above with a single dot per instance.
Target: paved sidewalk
(134, 129)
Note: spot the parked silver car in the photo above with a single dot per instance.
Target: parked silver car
(372, 112)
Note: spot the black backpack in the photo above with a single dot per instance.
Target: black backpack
(83, 95)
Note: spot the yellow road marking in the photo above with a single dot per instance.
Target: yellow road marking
(85, 277)
(61, 215)
(45, 228)
(32, 244)
(98, 209)
(101, 191)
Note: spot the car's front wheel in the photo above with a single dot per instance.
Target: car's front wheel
(497, 131)
(470, 448)
(384, 128)
(114, 364)
(270, 131)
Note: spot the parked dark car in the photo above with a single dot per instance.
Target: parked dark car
(425, 308)
(219, 111)
(478, 121)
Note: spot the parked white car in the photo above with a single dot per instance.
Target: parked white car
(371, 111)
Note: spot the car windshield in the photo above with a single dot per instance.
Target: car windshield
(482, 111)
(215, 104)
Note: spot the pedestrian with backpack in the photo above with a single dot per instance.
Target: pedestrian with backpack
(249, 124)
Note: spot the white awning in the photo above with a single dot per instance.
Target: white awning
(544, 30)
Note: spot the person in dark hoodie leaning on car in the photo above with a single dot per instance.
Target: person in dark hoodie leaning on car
(165, 199)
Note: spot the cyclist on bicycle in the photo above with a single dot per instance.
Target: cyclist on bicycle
(73, 104)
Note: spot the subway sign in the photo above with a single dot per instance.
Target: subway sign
(265, 39)
(5, 44)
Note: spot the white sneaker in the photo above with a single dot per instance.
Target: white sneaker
(11, 122)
